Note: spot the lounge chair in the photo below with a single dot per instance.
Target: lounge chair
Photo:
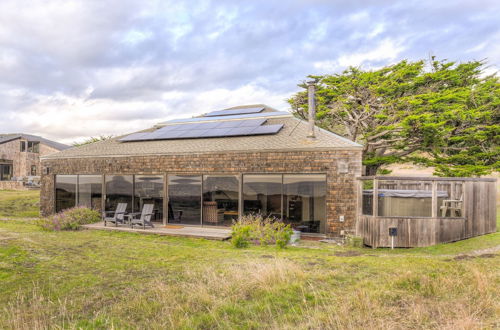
(142, 218)
(117, 216)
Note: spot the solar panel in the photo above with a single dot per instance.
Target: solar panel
(204, 130)
(268, 129)
(203, 119)
(230, 112)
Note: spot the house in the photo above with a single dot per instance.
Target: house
(210, 169)
(20, 157)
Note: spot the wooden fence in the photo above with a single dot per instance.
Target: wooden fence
(448, 209)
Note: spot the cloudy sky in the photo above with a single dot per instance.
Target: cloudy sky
(73, 69)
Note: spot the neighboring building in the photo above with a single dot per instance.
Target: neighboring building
(211, 169)
(20, 155)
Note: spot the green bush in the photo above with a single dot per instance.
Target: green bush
(257, 229)
(70, 219)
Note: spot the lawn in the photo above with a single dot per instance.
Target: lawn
(94, 279)
(102, 280)
(19, 204)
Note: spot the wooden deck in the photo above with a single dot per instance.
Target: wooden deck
(219, 234)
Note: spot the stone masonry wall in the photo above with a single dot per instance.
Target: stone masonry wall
(22, 161)
(341, 187)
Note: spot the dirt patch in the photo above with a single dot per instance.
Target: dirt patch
(464, 257)
(267, 256)
(468, 257)
(348, 254)
(488, 255)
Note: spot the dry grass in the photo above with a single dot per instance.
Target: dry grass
(107, 280)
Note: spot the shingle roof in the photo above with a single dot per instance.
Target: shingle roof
(9, 137)
(293, 136)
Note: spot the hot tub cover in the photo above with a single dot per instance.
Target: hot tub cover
(407, 193)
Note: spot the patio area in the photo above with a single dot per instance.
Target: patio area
(218, 234)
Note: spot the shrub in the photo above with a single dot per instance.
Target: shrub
(70, 219)
(260, 230)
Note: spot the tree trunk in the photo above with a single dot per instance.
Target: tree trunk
(371, 170)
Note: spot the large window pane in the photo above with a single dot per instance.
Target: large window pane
(262, 194)
(184, 199)
(65, 192)
(304, 201)
(220, 199)
(149, 190)
(119, 189)
(90, 191)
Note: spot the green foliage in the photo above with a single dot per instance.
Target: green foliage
(93, 140)
(70, 219)
(264, 231)
(442, 114)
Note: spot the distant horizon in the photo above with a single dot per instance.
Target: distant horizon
(70, 70)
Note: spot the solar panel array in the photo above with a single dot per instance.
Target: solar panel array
(230, 112)
(206, 130)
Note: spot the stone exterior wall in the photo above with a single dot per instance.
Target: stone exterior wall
(341, 187)
(22, 161)
(12, 185)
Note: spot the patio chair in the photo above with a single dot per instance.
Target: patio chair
(142, 218)
(117, 216)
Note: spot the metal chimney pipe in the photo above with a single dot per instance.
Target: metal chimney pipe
(311, 98)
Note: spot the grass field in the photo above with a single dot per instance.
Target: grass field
(102, 280)
(93, 279)
(19, 204)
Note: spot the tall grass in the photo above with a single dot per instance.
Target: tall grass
(273, 294)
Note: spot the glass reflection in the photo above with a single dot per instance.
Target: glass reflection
(149, 190)
(65, 192)
(220, 199)
(184, 199)
(262, 194)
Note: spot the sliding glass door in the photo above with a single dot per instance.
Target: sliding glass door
(184, 199)
(304, 197)
(220, 199)
(148, 189)
(262, 194)
(90, 191)
(65, 192)
(119, 189)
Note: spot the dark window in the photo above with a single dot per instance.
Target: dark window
(23, 146)
(184, 199)
(33, 170)
(262, 194)
(149, 190)
(305, 202)
(65, 192)
(90, 191)
(33, 146)
(5, 172)
(367, 197)
(220, 199)
(119, 189)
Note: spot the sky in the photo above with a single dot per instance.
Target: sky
(74, 69)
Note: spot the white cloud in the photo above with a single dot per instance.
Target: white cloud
(386, 51)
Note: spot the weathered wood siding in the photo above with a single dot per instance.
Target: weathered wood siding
(412, 232)
(479, 218)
